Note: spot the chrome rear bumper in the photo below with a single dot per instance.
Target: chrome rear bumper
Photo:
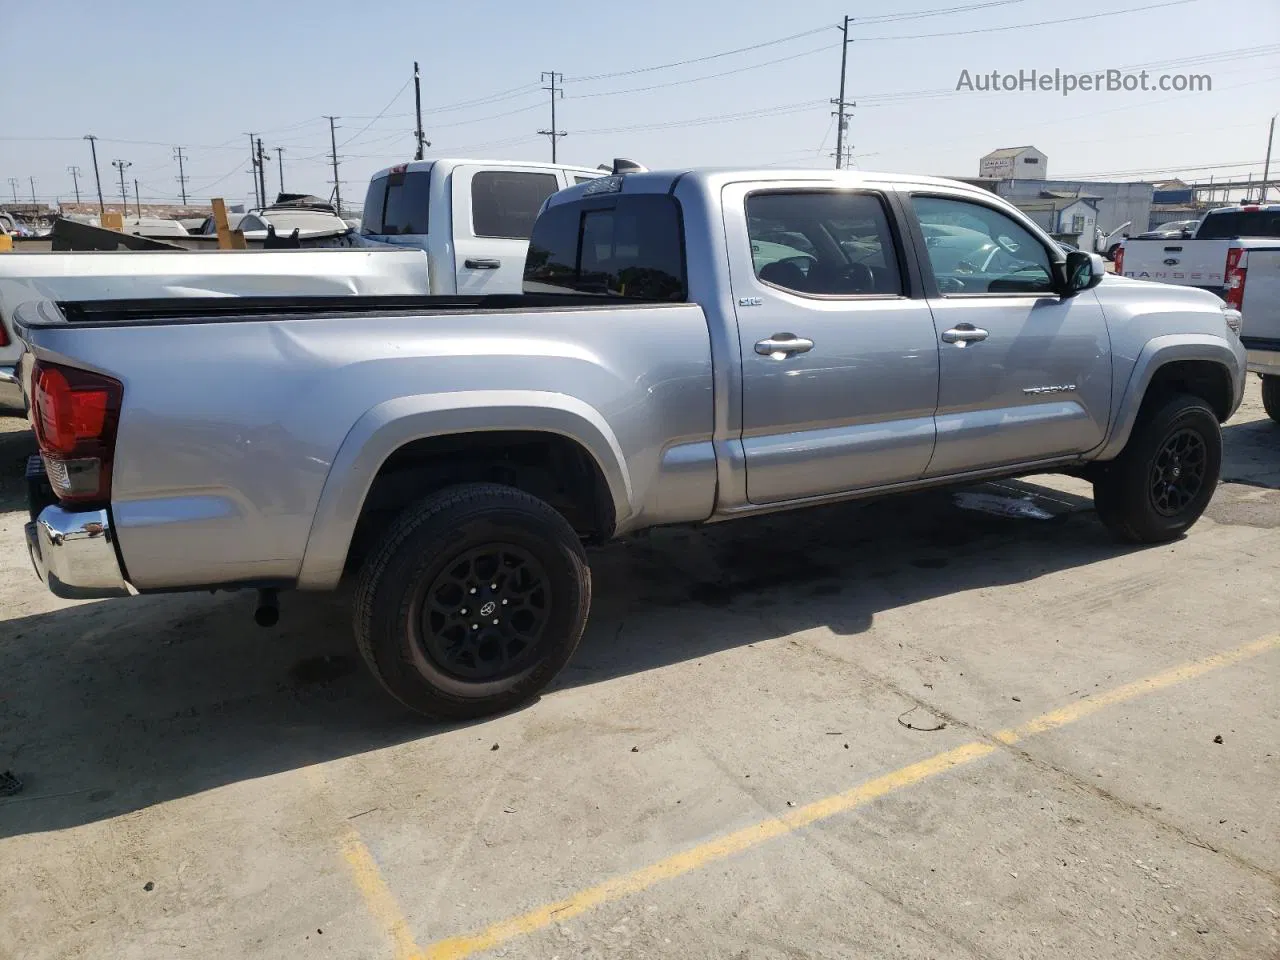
(73, 553)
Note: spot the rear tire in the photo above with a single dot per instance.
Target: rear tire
(1271, 396)
(1165, 476)
(472, 602)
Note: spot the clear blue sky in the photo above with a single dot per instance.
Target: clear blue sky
(202, 75)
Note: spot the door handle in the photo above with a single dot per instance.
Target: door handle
(963, 333)
(472, 264)
(783, 345)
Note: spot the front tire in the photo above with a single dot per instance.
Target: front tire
(1271, 396)
(474, 600)
(1160, 484)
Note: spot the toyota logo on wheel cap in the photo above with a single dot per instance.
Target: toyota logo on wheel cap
(488, 608)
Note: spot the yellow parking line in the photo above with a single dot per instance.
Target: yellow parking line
(378, 898)
(382, 905)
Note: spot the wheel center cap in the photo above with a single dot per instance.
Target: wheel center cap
(488, 608)
(1177, 472)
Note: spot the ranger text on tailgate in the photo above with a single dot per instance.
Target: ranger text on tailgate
(690, 347)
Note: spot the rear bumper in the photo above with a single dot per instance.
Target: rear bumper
(11, 400)
(1266, 362)
(74, 554)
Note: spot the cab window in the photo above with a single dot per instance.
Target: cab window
(629, 247)
(975, 249)
(823, 243)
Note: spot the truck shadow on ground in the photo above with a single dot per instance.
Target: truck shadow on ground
(111, 707)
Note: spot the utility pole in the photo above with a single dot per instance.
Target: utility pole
(554, 133)
(841, 121)
(258, 200)
(182, 176)
(13, 185)
(137, 200)
(1266, 167)
(75, 180)
(845, 162)
(417, 104)
(93, 145)
(262, 171)
(122, 166)
(337, 184)
(280, 157)
(32, 181)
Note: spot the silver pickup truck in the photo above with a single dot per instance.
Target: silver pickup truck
(690, 347)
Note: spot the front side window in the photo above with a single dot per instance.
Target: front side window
(823, 243)
(630, 248)
(407, 202)
(976, 249)
(505, 203)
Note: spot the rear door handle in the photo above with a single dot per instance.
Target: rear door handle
(783, 345)
(472, 264)
(963, 333)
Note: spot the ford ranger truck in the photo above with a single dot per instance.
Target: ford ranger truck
(1201, 259)
(690, 347)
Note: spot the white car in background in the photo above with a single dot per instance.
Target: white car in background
(309, 223)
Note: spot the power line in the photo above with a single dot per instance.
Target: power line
(389, 105)
(710, 76)
(1024, 26)
(937, 12)
(712, 56)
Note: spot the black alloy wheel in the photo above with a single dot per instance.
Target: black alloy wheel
(483, 616)
(1178, 471)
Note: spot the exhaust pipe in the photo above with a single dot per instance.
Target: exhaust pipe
(267, 612)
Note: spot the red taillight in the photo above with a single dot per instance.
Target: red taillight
(4, 335)
(1119, 261)
(1234, 277)
(75, 414)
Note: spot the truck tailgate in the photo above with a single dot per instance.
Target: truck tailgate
(1189, 263)
(1261, 310)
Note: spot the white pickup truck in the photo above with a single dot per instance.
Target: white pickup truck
(1202, 259)
(1253, 288)
(472, 217)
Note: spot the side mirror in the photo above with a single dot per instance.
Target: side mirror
(1083, 271)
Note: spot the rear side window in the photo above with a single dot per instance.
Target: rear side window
(407, 202)
(1240, 223)
(823, 242)
(371, 219)
(627, 247)
(505, 203)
